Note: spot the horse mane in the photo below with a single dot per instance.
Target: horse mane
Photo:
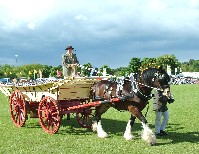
(147, 75)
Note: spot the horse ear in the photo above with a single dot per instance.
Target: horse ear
(160, 68)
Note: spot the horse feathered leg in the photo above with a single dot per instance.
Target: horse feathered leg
(94, 126)
(147, 134)
(97, 126)
(127, 134)
(100, 131)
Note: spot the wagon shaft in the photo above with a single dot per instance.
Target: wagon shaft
(93, 104)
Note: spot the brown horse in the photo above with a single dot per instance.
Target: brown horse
(134, 93)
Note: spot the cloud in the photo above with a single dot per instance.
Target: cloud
(194, 3)
(15, 14)
(31, 26)
(81, 17)
(111, 32)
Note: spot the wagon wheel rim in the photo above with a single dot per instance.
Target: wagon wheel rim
(85, 118)
(49, 115)
(17, 108)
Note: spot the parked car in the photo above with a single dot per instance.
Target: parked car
(5, 80)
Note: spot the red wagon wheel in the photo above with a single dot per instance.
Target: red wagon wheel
(49, 115)
(85, 118)
(18, 108)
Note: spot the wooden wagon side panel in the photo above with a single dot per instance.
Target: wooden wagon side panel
(35, 93)
(6, 90)
(75, 91)
(78, 88)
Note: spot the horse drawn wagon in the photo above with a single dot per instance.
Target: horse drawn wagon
(51, 101)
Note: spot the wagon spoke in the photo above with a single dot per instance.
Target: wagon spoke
(49, 124)
(85, 118)
(17, 108)
(16, 117)
(22, 115)
(49, 115)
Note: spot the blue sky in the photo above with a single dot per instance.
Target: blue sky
(102, 32)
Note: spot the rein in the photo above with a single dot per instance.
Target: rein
(149, 86)
(147, 110)
(137, 90)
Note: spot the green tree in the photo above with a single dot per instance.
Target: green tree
(168, 60)
(86, 69)
(122, 71)
(148, 62)
(191, 66)
(58, 68)
(1, 72)
(7, 71)
(108, 70)
(134, 65)
(46, 70)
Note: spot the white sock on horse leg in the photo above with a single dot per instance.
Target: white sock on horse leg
(100, 132)
(148, 135)
(94, 126)
(127, 134)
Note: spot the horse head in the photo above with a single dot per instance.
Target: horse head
(157, 78)
(149, 79)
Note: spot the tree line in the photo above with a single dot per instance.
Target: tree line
(32, 71)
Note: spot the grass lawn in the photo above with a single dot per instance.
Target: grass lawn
(183, 129)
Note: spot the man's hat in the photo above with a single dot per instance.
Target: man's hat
(69, 47)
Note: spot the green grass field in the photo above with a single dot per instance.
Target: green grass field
(183, 129)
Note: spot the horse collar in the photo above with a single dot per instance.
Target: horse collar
(136, 88)
(140, 94)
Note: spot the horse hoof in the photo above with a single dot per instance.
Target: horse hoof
(152, 144)
(103, 135)
(94, 126)
(128, 137)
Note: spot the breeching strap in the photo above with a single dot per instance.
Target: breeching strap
(146, 111)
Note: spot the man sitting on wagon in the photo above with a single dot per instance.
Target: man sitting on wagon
(69, 65)
(69, 62)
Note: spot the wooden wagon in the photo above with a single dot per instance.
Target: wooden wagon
(51, 101)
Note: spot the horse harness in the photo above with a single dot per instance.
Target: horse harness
(136, 88)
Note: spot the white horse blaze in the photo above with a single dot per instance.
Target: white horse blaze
(127, 134)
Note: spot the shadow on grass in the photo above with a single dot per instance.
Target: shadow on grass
(115, 127)
(112, 127)
(177, 137)
(192, 137)
(32, 123)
